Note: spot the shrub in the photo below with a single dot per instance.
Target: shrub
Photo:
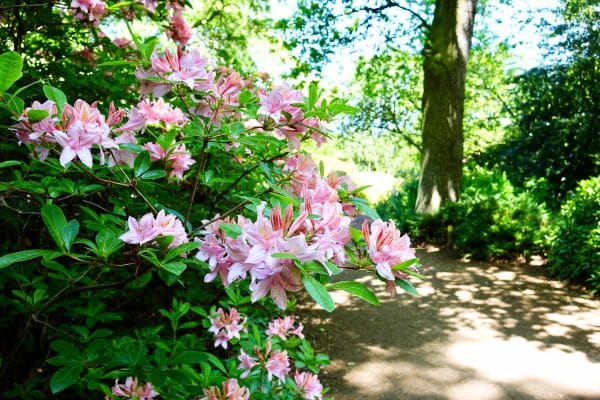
(575, 251)
(155, 246)
(493, 219)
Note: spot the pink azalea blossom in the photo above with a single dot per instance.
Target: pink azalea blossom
(140, 232)
(278, 365)
(40, 134)
(231, 391)
(170, 225)
(153, 112)
(132, 390)
(179, 161)
(309, 385)
(95, 9)
(149, 228)
(246, 363)
(179, 29)
(386, 247)
(283, 327)
(155, 150)
(150, 5)
(226, 326)
(123, 157)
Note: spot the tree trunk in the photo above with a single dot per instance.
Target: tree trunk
(445, 66)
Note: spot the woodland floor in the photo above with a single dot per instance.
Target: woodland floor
(481, 331)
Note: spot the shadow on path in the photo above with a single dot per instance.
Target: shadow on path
(479, 331)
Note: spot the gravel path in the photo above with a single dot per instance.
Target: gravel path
(479, 331)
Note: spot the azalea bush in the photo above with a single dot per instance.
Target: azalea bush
(154, 251)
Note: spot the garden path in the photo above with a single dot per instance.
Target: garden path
(481, 331)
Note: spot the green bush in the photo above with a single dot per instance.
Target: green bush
(575, 249)
(493, 219)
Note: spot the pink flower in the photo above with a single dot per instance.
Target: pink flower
(179, 30)
(226, 326)
(123, 157)
(231, 391)
(246, 363)
(170, 225)
(149, 228)
(131, 390)
(153, 112)
(40, 133)
(309, 385)
(140, 232)
(179, 161)
(278, 365)
(155, 150)
(121, 42)
(386, 247)
(283, 327)
(94, 8)
(150, 5)
(74, 146)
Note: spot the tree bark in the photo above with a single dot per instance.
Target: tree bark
(445, 66)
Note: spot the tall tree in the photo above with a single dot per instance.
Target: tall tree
(446, 43)
(445, 67)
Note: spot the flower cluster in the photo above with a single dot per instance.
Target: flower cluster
(91, 10)
(77, 129)
(226, 326)
(387, 248)
(149, 228)
(177, 159)
(231, 391)
(280, 106)
(284, 327)
(153, 112)
(132, 390)
(308, 384)
(188, 68)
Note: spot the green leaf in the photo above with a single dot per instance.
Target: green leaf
(11, 67)
(357, 289)
(141, 163)
(9, 163)
(182, 248)
(405, 264)
(364, 207)
(176, 268)
(287, 256)
(107, 242)
(141, 281)
(318, 292)
(332, 268)
(69, 233)
(56, 222)
(36, 115)
(25, 255)
(154, 174)
(15, 105)
(116, 63)
(231, 230)
(56, 95)
(406, 286)
(65, 377)
(339, 108)
(356, 234)
(313, 92)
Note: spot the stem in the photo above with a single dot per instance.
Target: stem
(201, 162)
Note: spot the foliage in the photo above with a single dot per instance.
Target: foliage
(555, 135)
(575, 249)
(493, 219)
(113, 231)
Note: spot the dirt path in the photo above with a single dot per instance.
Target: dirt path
(479, 331)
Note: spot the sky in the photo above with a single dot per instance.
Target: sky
(516, 24)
